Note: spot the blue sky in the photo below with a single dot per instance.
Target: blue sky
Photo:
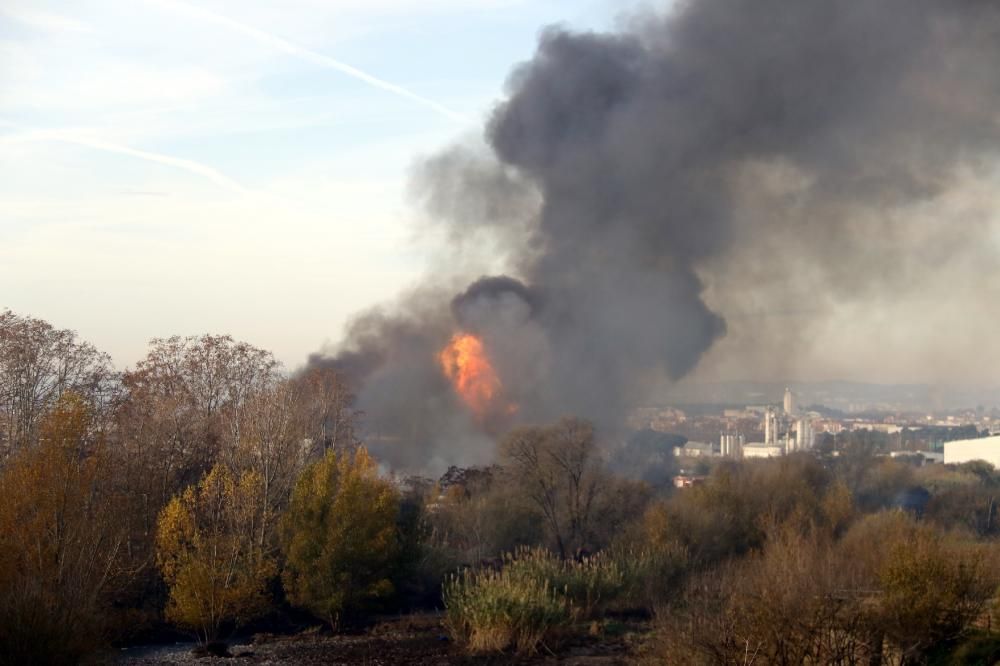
(175, 168)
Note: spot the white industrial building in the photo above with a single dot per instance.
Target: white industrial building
(805, 438)
(694, 450)
(967, 450)
(763, 450)
(731, 445)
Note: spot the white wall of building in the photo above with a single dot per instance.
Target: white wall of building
(967, 450)
(760, 450)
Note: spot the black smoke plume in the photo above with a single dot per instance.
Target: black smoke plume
(748, 150)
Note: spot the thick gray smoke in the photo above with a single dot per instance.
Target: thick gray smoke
(639, 183)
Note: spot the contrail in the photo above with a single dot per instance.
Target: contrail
(309, 56)
(71, 137)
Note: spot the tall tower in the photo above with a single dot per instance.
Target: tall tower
(789, 402)
(770, 426)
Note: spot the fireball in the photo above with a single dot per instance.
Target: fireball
(468, 368)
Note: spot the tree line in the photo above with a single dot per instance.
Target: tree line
(160, 491)
(206, 488)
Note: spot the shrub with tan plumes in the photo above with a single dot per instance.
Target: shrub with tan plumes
(620, 578)
(495, 611)
(536, 596)
(589, 584)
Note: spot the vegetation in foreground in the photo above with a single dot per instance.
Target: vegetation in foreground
(207, 490)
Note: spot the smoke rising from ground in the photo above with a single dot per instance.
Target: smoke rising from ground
(733, 156)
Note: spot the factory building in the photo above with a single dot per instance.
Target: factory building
(783, 433)
(805, 438)
(731, 445)
(762, 450)
(770, 427)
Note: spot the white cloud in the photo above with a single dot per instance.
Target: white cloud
(46, 21)
(36, 78)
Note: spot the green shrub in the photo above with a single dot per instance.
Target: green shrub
(340, 538)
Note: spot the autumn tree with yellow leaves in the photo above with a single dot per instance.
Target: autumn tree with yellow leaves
(214, 566)
(339, 536)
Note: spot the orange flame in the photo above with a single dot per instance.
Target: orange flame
(468, 368)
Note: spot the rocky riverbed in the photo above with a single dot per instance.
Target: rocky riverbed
(415, 639)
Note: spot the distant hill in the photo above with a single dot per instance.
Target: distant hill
(845, 396)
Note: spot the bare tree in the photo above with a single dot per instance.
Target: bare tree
(38, 364)
(183, 404)
(278, 424)
(557, 468)
(272, 442)
(327, 406)
(185, 398)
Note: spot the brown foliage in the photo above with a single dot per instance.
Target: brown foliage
(733, 512)
(476, 521)
(889, 592)
(59, 541)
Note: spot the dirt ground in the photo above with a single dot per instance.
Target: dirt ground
(415, 639)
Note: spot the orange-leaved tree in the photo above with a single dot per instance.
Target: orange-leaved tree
(59, 543)
(339, 537)
(215, 568)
